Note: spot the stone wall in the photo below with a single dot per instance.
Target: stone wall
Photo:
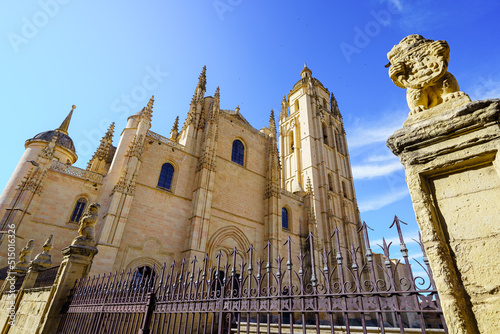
(30, 310)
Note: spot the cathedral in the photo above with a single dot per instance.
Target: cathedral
(212, 185)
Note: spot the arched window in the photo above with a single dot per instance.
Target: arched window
(143, 275)
(296, 105)
(238, 154)
(166, 176)
(284, 218)
(78, 210)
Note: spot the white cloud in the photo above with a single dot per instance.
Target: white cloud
(370, 171)
(368, 132)
(409, 238)
(396, 3)
(367, 136)
(379, 202)
(485, 88)
(381, 157)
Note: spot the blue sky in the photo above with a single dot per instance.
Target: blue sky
(109, 57)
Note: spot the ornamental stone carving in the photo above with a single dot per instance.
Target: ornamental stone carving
(25, 257)
(44, 259)
(87, 227)
(420, 66)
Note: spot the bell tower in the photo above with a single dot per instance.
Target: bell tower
(313, 147)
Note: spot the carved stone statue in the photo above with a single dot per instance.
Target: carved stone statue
(87, 227)
(420, 65)
(44, 259)
(25, 256)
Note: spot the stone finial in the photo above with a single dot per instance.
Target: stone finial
(175, 129)
(272, 123)
(202, 79)
(237, 109)
(217, 99)
(334, 106)
(284, 108)
(102, 153)
(25, 257)
(147, 112)
(87, 227)
(44, 259)
(420, 66)
(309, 188)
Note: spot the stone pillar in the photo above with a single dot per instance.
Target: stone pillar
(75, 265)
(452, 167)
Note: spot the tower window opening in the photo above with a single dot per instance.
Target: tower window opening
(345, 189)
(290, 140)
(78, 210)
(238, 152)
(330, 182)
(325, 134)
(166, 176)
(296, 105)
(284, 218)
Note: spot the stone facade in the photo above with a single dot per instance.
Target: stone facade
(212, 203)
(449, 152)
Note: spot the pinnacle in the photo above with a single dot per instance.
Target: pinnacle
(202, 79)
(272, 122)
(151, 102)
(176, 124)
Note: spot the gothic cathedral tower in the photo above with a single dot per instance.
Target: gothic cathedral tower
(315, 159)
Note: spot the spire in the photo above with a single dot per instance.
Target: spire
(334, 106)
(175, 129)
(309, 188)
(272, 123)
(65, 124)
(109, 134)
(199, 92)
(147, 112)
(306, 72)
(202, 79)
(217, 98)
(150, 103)
(284, 108)
(98, 160)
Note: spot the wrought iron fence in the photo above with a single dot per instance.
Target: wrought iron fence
(262, 295)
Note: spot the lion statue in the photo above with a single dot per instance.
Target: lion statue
(420, 65)
(87, 227)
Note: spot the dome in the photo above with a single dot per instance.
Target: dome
(63, 139)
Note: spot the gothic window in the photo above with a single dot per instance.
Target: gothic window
(238, 154)
(284, 218)
(166, 176)
(291, 147)
(296, 105)
(78, 210)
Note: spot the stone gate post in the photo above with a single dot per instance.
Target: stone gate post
(449, 148)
